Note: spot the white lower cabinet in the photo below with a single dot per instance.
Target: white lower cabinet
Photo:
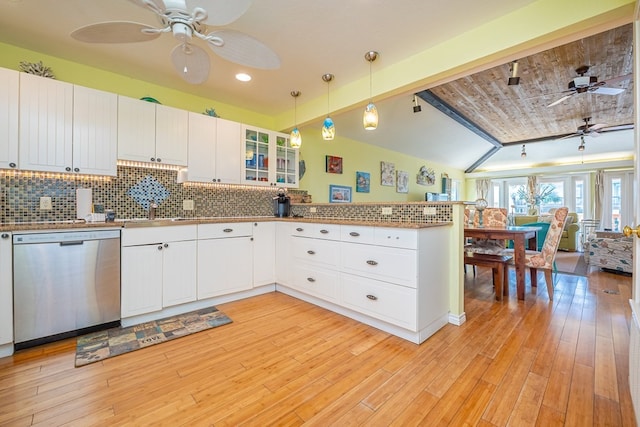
(224, 259)
(317, 281)
(158, 268)
(6, 290)
(264, 253)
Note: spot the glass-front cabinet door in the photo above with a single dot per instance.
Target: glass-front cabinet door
(269, 158)
(256, 145)
(286, 162)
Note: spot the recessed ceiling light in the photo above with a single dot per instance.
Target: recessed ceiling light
(243, 77)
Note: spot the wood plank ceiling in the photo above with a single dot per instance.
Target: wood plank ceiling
(521, 113)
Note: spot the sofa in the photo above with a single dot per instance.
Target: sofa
(568, 240)
(608, 253)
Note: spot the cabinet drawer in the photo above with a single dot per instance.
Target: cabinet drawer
(318, 231)
(396, 237)
(316, 251)
(319, 282)
(227, 229)
(391, 303)
(393, 265)
(357, 234)
(148, 235)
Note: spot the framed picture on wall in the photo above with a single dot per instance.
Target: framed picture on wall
(333, 164)
(387, 174)
(363, 182)
(339, 194)
(403, 182)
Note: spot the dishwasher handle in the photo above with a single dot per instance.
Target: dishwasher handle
(72, 243)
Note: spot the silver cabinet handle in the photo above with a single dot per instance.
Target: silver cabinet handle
(311, 279)
(299, 229)
(372, 297)
(324, 231)
(228, 230)
(354, 234)
(310, 252)
(372, 262)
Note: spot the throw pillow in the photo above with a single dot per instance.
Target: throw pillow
(568, 223)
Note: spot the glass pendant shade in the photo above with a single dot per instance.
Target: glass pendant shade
(296, 138)
(370, 117)
(328, 129)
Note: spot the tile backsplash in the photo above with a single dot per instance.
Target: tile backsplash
(128, 195)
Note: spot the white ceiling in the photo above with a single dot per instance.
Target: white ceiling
(311, 38)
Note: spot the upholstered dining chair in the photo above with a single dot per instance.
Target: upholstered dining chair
(544, 259)
(491, 217)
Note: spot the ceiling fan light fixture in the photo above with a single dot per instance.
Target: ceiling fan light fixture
(370, 116)
(523, 154)
(328, 127)
(581, 146)
(182, 32)
(295, 138)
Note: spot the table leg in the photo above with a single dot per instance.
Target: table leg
(497, 281)
(533, 245)
(518, 260)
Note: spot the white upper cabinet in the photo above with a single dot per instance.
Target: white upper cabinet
(149, 132)
(214, 150)
(9, 81)
(95, 131)
(269, 158)
(46, 124)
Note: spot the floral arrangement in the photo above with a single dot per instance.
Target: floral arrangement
(36, 68)
(211, 112)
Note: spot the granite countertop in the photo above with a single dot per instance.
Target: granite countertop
(141, 222)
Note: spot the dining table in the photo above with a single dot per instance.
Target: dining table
(524, 237)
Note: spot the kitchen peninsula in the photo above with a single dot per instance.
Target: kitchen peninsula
(398, 275)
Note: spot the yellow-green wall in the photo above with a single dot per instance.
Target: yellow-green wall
(360, 157)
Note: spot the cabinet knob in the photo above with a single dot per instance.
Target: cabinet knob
(311, 252)
(372, 297)
(158, 160)
(311, 279)
(159, 247)
(324, 231)
(166, 245)
(299, 229)
(354, 234)
(12, 165)
(76, 169)
(153, 159)
(228, 230)
(5, 235)
(68, 169)
(372, 262)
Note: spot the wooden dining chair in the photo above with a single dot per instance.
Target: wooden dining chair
(544, 259)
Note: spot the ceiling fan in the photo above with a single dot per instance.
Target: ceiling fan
(582, 84)
(594, 130)
(186, 20)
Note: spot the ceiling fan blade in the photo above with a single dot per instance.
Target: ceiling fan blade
(114, 32)
(615, 80)
(607, 90)
(571, 135)
(243, 49)
(561, 99)
(597, 127)
(221, 12)
(191, 62)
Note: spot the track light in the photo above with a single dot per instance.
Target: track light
(416, 107)
(581, 146)
(514, 79)
(524, 153)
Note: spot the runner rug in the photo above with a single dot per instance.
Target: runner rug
(113, 342)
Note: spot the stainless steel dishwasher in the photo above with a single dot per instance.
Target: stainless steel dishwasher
(64, 284)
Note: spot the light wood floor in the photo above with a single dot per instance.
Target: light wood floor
(286, 362)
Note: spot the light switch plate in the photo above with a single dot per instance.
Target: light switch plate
(187, 205)
(45, 203)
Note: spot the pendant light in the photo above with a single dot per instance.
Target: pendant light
(370, 117)
(524, 153)
(328, 128)
(296, 138)
(581, 146)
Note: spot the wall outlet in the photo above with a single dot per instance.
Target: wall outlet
(429, 210)
(187, 205)
(313, 209)
(387, 211)
(45, 203)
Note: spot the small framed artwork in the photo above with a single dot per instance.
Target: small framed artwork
(339, 194)
(333, 164)
(403, 182)
(387, 174)
(363, 181)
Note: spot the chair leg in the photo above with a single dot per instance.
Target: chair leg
(548, 277)
(497, 282)
(505, 279)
